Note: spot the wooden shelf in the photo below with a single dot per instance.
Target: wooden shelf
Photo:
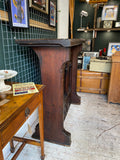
(99, 29)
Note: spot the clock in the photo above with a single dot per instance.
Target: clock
(107, 24)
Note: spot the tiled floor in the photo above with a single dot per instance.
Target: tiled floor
(95, 133)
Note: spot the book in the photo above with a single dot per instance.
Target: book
(24, 88)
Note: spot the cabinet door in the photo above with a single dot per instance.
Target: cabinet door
(114, 88)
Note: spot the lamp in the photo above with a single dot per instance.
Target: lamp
(83, 13)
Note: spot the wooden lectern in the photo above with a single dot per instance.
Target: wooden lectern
(58, 64)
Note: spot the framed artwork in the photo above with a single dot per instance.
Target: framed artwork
(86, 58)
(18, 13)
(41, 5)
(107, 24)
(87, 45)
(52, 12)
(109, 12)
(117, 24)
(112, 48)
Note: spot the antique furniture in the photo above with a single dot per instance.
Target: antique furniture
(92, 82)
(58, 62)
(12, 116)
(114, 89)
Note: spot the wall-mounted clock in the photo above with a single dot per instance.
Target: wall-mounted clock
(107, 24)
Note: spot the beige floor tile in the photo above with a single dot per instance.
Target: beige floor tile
(95, 133)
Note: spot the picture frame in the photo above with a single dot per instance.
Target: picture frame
(87, 45)
(52, 14)
(117, 24)
(86, 58)
(41, 5)
(113, 48)
(107, 24)
(109, 12)
(18, 13)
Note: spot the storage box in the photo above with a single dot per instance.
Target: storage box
(92, 82)
(100, 65)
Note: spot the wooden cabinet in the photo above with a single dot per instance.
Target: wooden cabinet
(92, 82)
(114, 88)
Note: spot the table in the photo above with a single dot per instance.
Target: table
(58, 65)
(12, 116)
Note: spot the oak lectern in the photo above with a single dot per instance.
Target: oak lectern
(58, 65)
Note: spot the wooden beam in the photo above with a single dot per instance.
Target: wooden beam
(32, 23)
(95, 1)
(71, 7)
(27, 141)
(18, 152)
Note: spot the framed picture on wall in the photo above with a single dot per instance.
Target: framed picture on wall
(41, 5)
(112, 48)
(109, 12)
(52, 12)
(18, 13)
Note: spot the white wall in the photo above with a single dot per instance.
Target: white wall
(62, 19)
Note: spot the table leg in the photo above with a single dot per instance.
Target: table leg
(1, 153)
(12, 148)
(41, 125)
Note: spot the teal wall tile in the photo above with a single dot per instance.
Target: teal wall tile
(22, 59)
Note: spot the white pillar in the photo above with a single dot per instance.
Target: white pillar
(62, 19)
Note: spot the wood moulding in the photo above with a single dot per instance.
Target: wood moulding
(100, 29)
(32, 23)
(95, 1)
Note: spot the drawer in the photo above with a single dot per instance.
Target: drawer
(17, 121)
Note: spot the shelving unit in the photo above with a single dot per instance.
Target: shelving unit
(99, 29)
(94, 29)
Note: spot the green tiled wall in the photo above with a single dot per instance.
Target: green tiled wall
(22, 59)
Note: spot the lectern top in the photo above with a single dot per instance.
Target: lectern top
(50, 42)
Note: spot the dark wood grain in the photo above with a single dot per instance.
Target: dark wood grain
(58, 65)
(50, 42)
